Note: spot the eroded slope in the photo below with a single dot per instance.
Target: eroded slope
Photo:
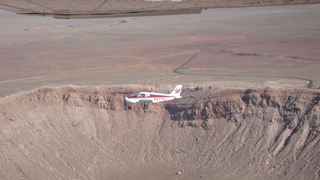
(88, 133)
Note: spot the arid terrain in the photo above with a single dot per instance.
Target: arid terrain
(276, 45)
(74, 132)
(250, 106)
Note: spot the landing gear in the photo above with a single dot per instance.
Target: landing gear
(126, 106)
(145, 106)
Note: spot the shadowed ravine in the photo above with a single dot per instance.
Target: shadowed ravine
(75, 132)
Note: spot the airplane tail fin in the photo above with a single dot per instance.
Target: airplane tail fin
(176, 91)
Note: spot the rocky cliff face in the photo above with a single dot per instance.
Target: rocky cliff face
(291, 107)
(89, 133)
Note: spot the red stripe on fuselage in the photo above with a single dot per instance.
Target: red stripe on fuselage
(151, 96)
(132, 97)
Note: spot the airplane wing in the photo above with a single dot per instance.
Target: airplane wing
(66, 9)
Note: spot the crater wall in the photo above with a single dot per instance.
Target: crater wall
(75, 132)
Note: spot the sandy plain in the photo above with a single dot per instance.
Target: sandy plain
(264, 46)
(226, 127)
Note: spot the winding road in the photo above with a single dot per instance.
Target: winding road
(310, 82)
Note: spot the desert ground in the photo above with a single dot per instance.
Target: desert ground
(250, 106)
(265, 46)
(72, 132)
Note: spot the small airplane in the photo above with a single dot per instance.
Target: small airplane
(150, 97)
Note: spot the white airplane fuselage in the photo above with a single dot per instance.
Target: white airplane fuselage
(150, 97)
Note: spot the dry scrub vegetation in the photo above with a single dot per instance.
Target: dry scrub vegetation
(74, 132)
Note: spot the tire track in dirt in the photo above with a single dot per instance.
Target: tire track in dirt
(53, 75)
(310, 82)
